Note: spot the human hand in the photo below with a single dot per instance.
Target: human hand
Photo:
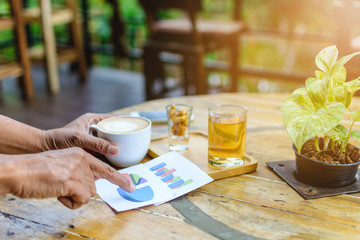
(67, 174)
(76, 134)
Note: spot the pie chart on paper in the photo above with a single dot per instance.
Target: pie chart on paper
(139, 194)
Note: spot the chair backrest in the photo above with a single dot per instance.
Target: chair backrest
(187, 5)
(154, 5)
(190, 7)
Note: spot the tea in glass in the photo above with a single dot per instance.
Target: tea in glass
(227, 135)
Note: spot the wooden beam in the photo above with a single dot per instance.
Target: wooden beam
(6, 24)
(59, 16)
(37, 54)
(10, 70)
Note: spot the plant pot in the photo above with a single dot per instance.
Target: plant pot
(316, 173)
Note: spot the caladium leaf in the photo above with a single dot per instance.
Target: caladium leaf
(342, 61)
(356, 115)
(339, 76)
(301, 91)
(337, 133)
(326, 59)
(355, 135)
(338, 94)
(320, 74)
(317, 90)
(302, 121)
(351, 87)
(309, 82)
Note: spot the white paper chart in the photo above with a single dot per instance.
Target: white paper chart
(157, 181)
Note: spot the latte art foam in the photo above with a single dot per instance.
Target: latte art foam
(123, 124)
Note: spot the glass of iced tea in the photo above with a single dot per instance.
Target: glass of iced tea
(179, 126)
(227, 135)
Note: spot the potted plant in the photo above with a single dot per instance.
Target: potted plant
(313, 117)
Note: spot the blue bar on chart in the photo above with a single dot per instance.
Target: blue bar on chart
(174, 179)
(185, 183)
(159, 173)
(176, 184)
(156, 167)
(167, 176)
(167, 172)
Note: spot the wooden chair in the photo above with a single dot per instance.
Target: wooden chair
(53, 55)
(190, 37)
(22, 67)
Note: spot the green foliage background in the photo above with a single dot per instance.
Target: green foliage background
(271, 52)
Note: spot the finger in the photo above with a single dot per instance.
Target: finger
(95, 118)
(66, 201)
(90, 181)
(116, 178)
(98, 145)
(103, 170)
(77, 194)
(77, 204)
(80, 198)
(84, 121)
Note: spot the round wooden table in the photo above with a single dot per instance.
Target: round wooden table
(248, 206)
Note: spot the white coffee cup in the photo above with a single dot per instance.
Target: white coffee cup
(131, 134)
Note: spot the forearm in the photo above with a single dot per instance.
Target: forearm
(18, 138)
(8, 173)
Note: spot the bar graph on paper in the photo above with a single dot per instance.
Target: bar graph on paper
(169, 176)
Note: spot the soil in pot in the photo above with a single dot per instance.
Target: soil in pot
(326, 168)
(351, 155)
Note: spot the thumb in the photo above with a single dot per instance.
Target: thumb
(99, 145)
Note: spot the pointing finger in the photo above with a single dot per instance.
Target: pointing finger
(103, 170)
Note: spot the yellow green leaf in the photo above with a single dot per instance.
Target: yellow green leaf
(320, 74)
(355, 135)
(326, 59)
(301, 91)
(341, 62)
(351, 87)
(337, 133)
(339, 76)
(338, 94)
(317, 90)
(302, 121)
(356, 115)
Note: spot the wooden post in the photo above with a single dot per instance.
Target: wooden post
(49, 46)
(78, 46)
(22, 51)
(86, 32)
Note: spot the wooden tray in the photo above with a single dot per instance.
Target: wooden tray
(198, 154)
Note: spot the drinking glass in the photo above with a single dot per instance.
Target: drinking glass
(226, 135)
(178, 126)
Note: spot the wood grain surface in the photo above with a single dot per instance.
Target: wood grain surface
(257, 204)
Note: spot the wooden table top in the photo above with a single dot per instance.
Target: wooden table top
(249, 206)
